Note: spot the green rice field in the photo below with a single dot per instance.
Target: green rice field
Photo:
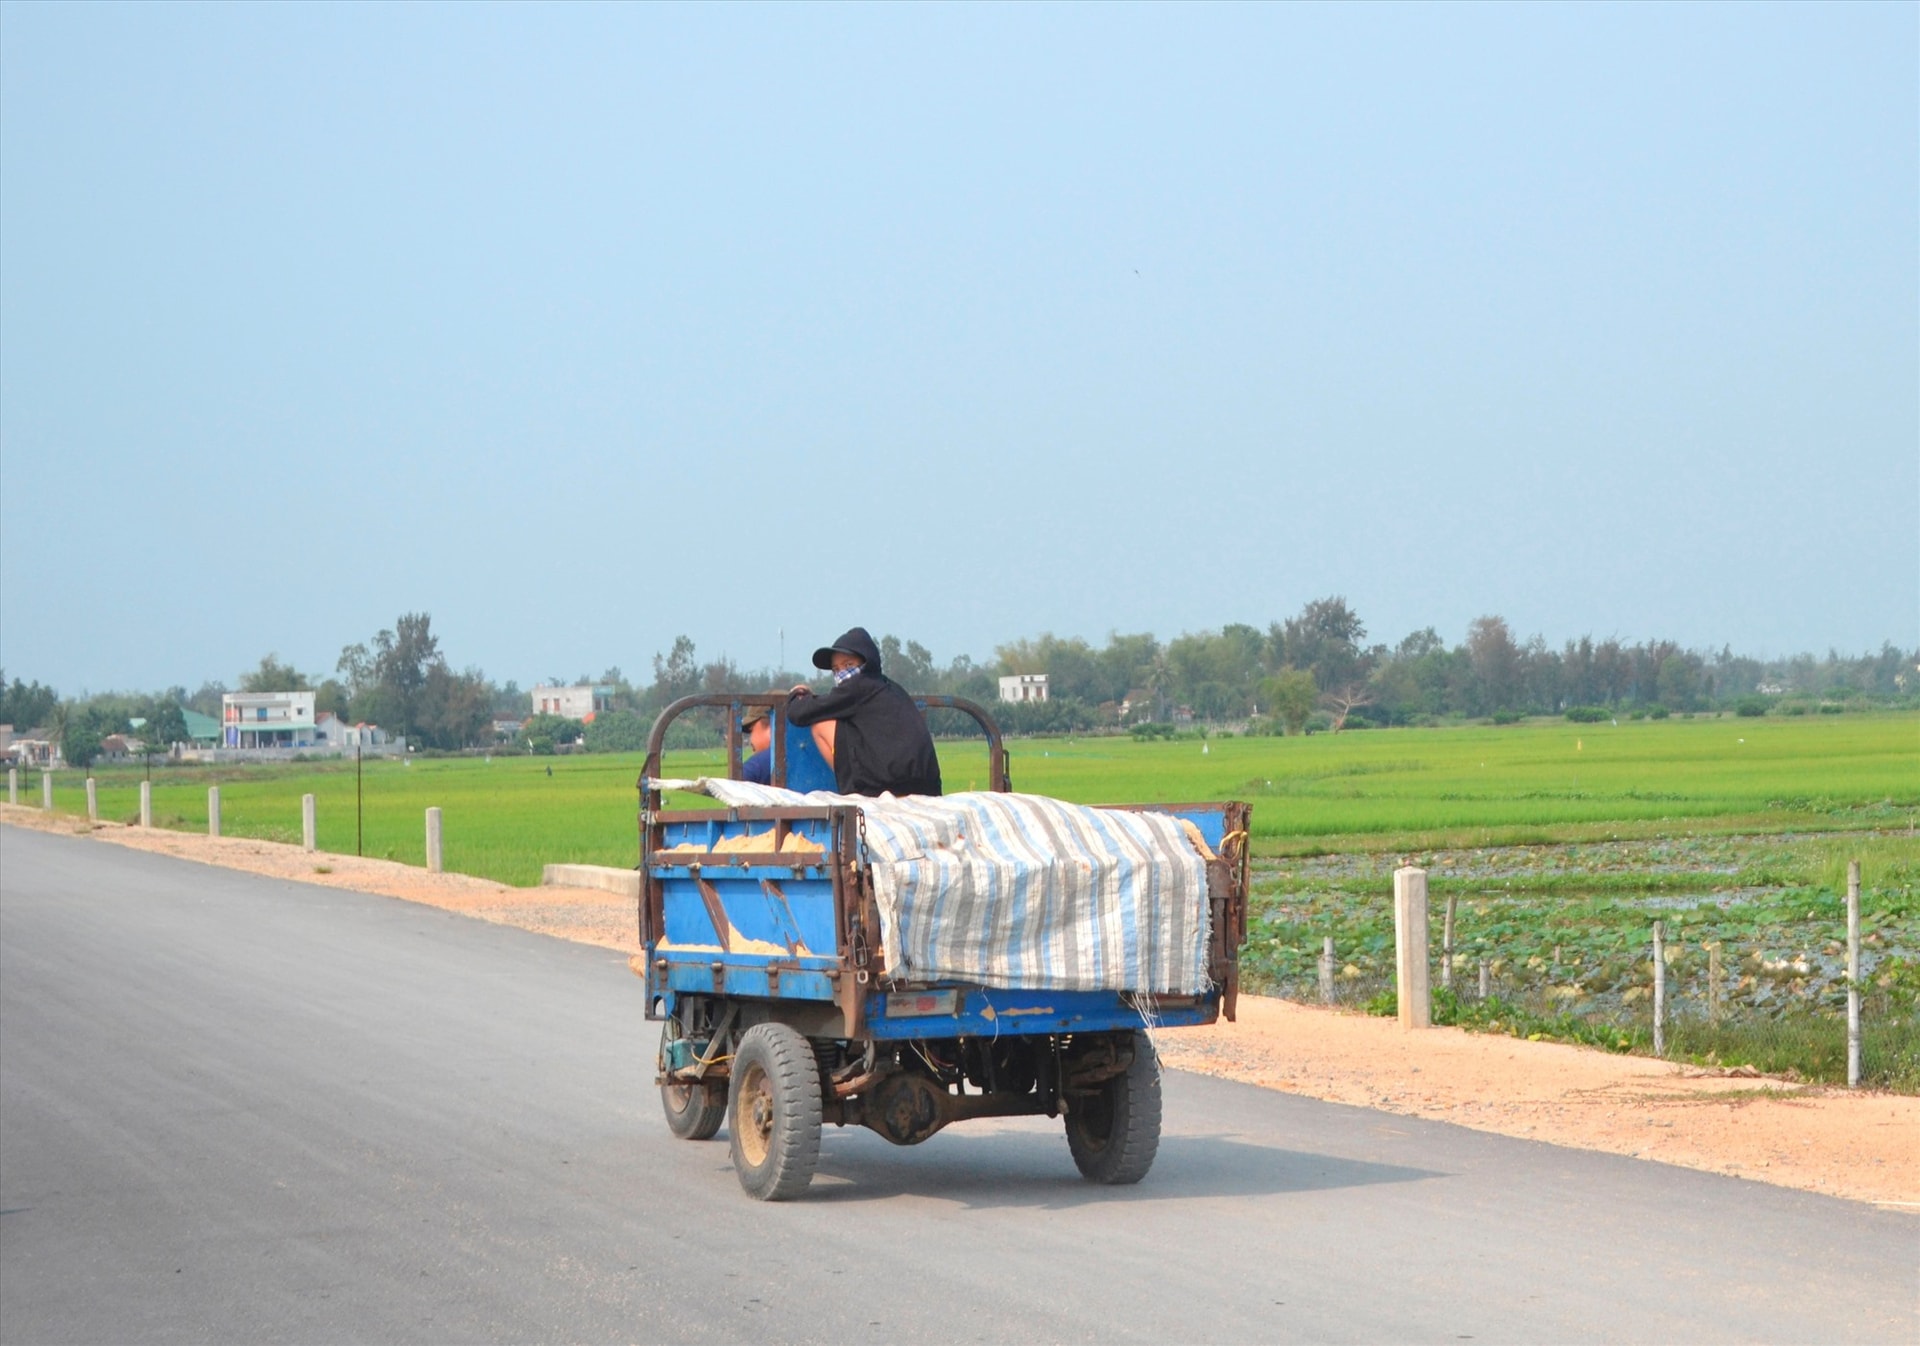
(1376, 790)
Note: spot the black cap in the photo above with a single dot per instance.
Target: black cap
(855, 642)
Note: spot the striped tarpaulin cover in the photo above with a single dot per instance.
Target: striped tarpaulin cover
(1022, 891)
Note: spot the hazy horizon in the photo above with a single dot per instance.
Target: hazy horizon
(640, 671)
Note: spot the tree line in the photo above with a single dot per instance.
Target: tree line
(1319, 669)
(1316, 669)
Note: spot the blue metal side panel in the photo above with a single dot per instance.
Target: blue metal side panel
(748, 979)
(701, 833)
(722, 825)
(686, 915)
(807, 770)
(1211, 819)
(977, 1012)
(794, 915)
(804, 906)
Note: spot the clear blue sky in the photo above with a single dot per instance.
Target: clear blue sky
(580, 328)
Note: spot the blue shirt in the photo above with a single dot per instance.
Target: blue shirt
(759, 768)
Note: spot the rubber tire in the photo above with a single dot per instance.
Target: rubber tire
(1115, 1135)
(694, 1111)
(773, 1113)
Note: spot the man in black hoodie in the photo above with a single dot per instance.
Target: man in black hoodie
(875, 736)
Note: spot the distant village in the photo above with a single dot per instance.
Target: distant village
(252, 726)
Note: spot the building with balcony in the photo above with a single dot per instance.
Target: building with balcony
(267, 720)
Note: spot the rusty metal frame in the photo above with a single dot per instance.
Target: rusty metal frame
(716, 913)
(849, 920)
(1236, 852)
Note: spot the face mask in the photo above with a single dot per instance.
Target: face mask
(840, 675)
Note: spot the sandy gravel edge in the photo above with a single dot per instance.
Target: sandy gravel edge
(1862, 1146)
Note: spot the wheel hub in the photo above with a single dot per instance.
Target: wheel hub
(756, 1129)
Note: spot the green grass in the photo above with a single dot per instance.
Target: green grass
(1808, 1046)
(502, 819)
(1800, 1045)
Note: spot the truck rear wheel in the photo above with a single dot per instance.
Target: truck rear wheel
(773, 1113)
(1114, 1131)
(694, 1111)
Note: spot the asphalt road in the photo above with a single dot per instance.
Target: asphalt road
(239, 1109)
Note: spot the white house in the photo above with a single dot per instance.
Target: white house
(330, 731)
(33, 752)
(364, 735)
(267, 720)
(1024, 687)
(572, 703)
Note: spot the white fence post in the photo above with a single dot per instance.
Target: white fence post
(46, 791)
(1659, 988)
(307, 822)
(433, 841)
(1446, 946)
(93, 801)
(213, 810)
(1853, 974)
(13, 785)
(1410, 946)
(1326, 971)
(146, 803)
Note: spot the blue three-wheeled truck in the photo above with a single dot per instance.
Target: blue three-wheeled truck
(765, 922)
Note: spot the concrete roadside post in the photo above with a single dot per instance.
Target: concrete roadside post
(13, 785)
(46, 791)
(93, 801)
(1446, 945)
(1659, 988)
(1410, 947)
(433, 841)
(213, 810)
(1326, 971)
(1853, 974)
(146, 803)
(307, 822)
